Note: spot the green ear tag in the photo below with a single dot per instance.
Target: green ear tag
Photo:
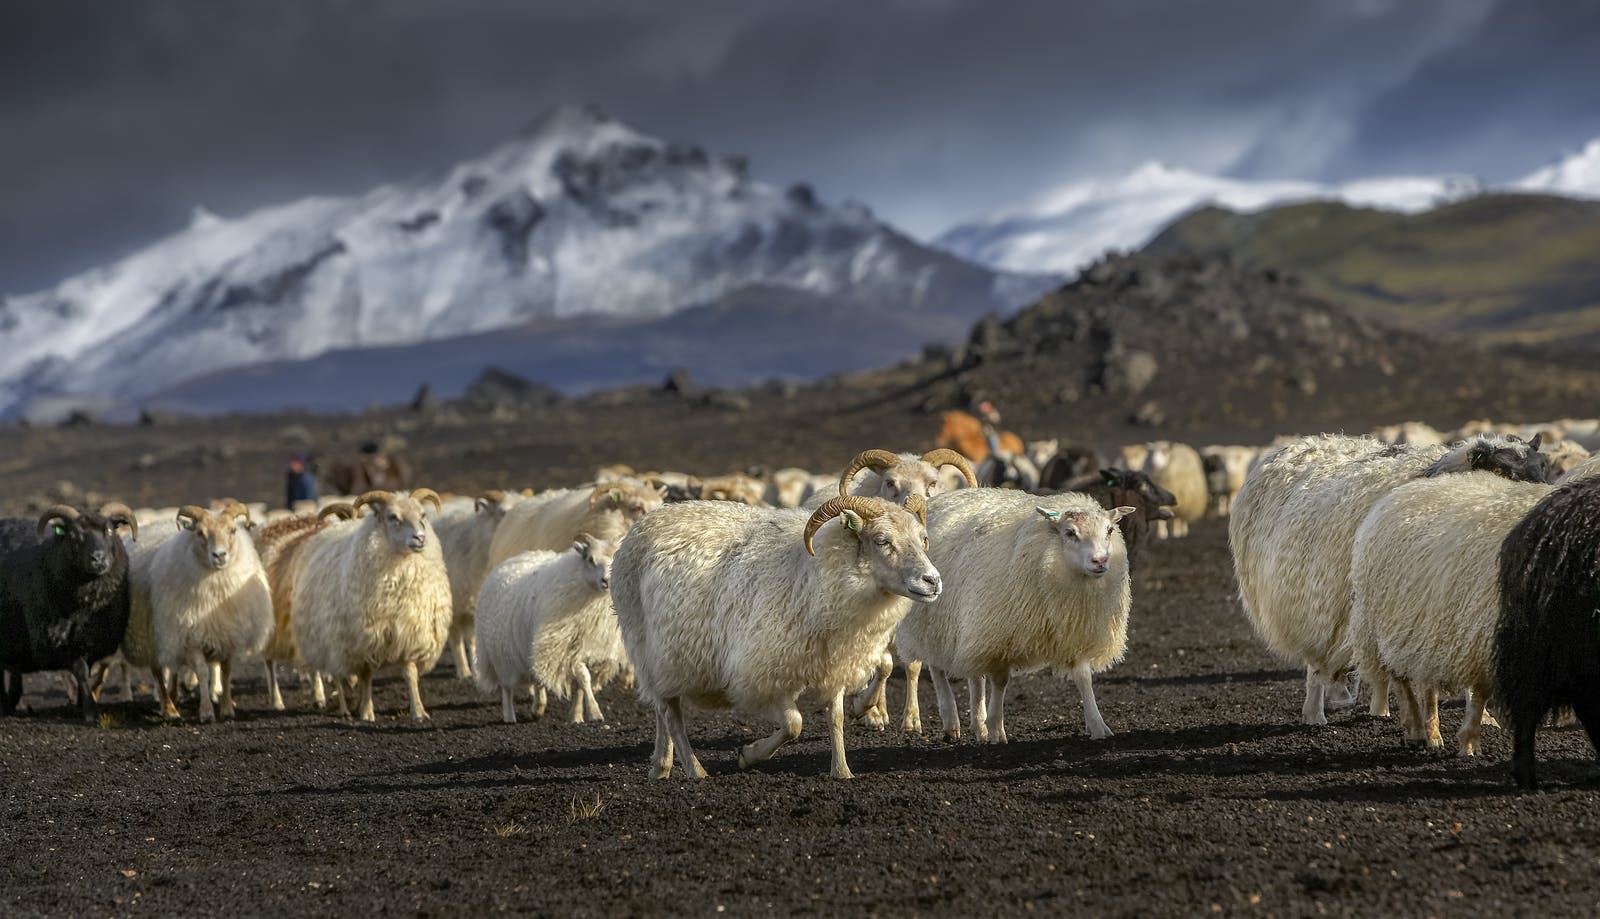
(60, 530)
(851, 524)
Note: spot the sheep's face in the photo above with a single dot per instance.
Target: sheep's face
(83, 544)
(213, 536)
(596, 555)
(405, 524)
(895, 544)
(910, 476)
(1507, 456)
(740, 488)
(1087, 537)
(632, 501)
(1156, 499)
(1158, 456)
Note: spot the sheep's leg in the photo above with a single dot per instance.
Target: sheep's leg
(673, 712)
(166, 688)
(127, 680)
(661, 756)
(577, 701)
(591, 705)
(537, 700)
(227, 709)
(97, 678)
(1380, 694)
(1471, 724)
(471, 640)
(841, 769)
(319, 694)
(761, 750)
(363, 690)
(1588, 714)
(458, 644)
(979, 709)
(997, 705)
(1524, 726)
(1431, 719)
(1083, 678)
(341, 690)
(418, 713)
(274, 691)
(949, 714)
(216, 681)
(203, 688)
(1410, 711)
(911, 715)
(871, 704)
(1344, 695)
(10, 691)
(86, 703)
(1312, 712)
(508, 708)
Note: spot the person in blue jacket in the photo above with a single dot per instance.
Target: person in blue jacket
(301, 480)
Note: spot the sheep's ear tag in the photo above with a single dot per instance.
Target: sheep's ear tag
(616, 498)
(851, 522)
(1049, 515)
(60, 530)
(1111, 478)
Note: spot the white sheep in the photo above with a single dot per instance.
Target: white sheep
(545, 623)
(465, 537)
(787, 487)
(1424, 575)
(1293, 529)
(1034, 582)
(1178, 468)
(374, 593)
(208, 598)
(722, 606)
(280, 545)
(552, 520)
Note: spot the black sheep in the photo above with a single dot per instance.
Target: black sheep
(1547, 644)
(63, 595)
(1070, 462)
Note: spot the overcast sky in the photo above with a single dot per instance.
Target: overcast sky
(117, 118)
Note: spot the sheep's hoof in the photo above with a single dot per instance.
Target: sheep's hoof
(698, 771)
(207, 719)
(744, 762)
(875, 718)
(1101, 733)
(953, 735)
(843, 772)
(911, 726)
(660, 772)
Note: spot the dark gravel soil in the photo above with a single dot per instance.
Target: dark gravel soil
(1210, 799)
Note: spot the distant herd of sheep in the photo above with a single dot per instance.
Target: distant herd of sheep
(1411, 562)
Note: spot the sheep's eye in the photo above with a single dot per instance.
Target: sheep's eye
(60, 530)
(1110, 528)
(1070, 534)
(881, 540)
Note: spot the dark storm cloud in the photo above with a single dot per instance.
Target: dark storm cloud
(117, 118)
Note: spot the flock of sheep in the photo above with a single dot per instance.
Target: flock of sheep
(1421, 562)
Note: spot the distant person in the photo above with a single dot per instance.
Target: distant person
(301, 480)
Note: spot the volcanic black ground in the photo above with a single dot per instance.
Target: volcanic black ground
(1209, 799)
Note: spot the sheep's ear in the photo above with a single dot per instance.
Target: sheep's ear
(1480, 455)
(851, 520)
(1533, 445)
(1110, 476)
(1117, 513)
(1052, 516)
(582, 545)
(479, 503)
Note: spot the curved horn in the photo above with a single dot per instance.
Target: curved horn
(527, 492)
(918, 505)
(378, 499)
(192, 512)
(342, 510)
(429, 495)
(119, 513)
(947, 457)
(54, 511)
(236, 509)
(866, 507)
(876, 460)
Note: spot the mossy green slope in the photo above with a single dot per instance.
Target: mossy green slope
(1514, 268)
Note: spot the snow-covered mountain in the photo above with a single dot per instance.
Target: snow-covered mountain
(1066, 228)
(1575, 176)
(579, 215)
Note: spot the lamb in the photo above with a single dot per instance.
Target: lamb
(373, 593)
(552, 520)
(720, 606)
(1293, 530)
(465, 539)
(545, 621)
(63, 596)
(279, 545)
(1035, 582)
(1177, 468)
(1545, 641)
(207, 596)
(786, 487)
